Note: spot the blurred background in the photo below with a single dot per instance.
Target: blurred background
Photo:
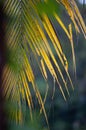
(69, 115)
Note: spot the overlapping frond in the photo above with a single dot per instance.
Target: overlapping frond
(26, 31)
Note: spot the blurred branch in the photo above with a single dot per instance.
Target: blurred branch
(2, 64)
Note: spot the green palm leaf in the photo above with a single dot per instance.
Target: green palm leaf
(28, 22)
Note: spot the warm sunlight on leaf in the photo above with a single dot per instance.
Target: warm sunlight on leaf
(29, 29)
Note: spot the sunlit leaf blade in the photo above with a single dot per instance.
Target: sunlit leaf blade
(72, 47)
(75, 15)
(29, 29)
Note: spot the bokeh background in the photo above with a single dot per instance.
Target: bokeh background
(69, 115)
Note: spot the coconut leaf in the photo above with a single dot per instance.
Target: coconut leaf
(27, 24)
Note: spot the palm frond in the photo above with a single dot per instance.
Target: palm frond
(26, 31)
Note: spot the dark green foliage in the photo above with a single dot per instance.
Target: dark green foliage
(48, 7)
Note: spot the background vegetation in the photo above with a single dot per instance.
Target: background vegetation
(70, 115)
